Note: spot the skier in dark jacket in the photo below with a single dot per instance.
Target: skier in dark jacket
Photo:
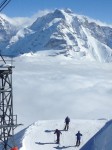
(57, 132)
(78, 135)
(67, 120)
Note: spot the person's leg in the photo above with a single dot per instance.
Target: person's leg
(77, 142)
(67, 127)
(58, 139)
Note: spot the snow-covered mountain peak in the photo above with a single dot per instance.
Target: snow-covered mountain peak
(6, 32)
(58, 13)
(3, 22)
(61, 29)
(5, 25)
(46, 19)
(68, 10)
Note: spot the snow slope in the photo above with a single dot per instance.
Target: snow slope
(40, 135)
(101, 140)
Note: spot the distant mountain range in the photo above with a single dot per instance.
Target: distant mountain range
(60, 29)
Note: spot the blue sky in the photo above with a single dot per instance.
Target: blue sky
(96, 9)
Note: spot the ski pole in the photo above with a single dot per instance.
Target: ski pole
(54, 138)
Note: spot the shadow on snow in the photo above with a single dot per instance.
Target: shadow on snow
(63, 147)
(48, 131)
(42, 143)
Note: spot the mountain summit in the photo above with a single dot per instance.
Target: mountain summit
(61, 29)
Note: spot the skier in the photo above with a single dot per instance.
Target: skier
(78, 135)
(67, 120)
(57, 132)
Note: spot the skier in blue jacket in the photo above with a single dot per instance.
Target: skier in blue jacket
(78, 135)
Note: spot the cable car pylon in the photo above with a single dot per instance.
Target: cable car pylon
(8, 121)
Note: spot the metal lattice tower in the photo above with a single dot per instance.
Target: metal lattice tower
(8, 121)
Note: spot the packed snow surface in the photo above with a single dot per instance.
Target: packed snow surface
(40, 135)
(102, 140)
